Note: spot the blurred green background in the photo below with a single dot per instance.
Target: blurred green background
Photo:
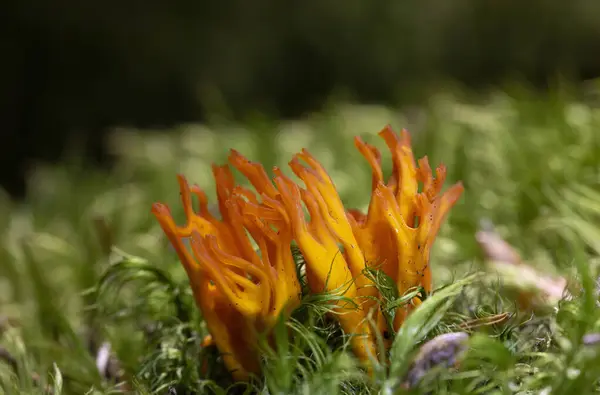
(72, 70)
(121, 96)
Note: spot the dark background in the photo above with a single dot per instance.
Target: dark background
(71, 69)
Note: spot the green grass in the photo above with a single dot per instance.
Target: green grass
(83, 262)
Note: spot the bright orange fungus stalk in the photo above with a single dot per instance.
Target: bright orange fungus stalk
(241, 292)
(401, 225)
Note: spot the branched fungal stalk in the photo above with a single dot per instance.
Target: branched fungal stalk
(240, 291)
(401, 224)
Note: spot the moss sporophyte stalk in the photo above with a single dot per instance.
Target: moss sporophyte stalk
(242, 291)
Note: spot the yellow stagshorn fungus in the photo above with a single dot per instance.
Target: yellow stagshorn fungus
(327, 268)
(400, 227)
(241, 292)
